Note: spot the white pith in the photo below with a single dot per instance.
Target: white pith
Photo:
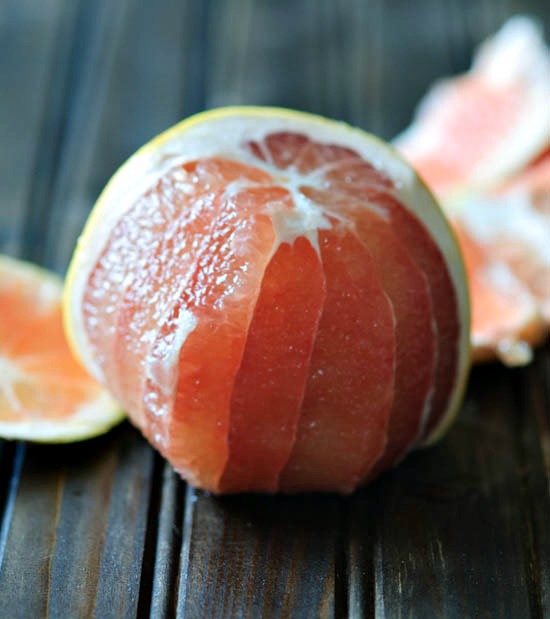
(511, 216)
(222, 135)
(161, 369)
(510, 348)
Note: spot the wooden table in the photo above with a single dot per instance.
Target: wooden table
(105, 528)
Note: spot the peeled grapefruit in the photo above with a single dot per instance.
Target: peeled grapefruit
(45, 395)
(275, 298)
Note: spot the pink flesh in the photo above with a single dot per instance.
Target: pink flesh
(214, 239)
(352, 177)
(343, 427)
(197, 429)
(428, 257)
(188, 228)
(468, 125)
(269, 387)
(409, 294)
(360, 181)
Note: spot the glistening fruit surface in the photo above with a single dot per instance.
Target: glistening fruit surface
(231, 289)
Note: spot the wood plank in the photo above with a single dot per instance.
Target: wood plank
(12, 456)
(534, 453)
(24, 575)
(169, 539)
(97, 33)
(449, 522)
(83, 515)
(36, 36)
(257, 55)
(366, 64)
(118, 586)
(252, 556)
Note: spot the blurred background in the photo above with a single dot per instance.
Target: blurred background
(86, 82)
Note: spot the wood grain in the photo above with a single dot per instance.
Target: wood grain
(260, 556)
(36, 36)
(105, 528)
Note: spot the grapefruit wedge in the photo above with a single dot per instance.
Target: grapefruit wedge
(45, 395)
(506, 319)
(474, 131)
(504, 237)
(275, 298)
(481, 141)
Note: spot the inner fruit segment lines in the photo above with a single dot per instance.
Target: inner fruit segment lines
(343, 427)
(271, 323)
(270, 385)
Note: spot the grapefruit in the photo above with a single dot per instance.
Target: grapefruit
(481, 142)
(275, 298)
(45, 395)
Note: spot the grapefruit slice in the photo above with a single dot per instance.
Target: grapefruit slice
(504, 237)
(506, 322)
(481, 142)
(45, 395)
(231, 289)
(473, 131)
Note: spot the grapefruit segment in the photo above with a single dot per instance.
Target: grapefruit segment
(415, 334)
(504, 236)
(279, 149)
(415, 331)
(445, 304)
(220, 299)
(342, 430)
(269, 387)
(506, 316)
(315, 157)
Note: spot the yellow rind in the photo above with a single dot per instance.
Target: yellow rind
(247, 112)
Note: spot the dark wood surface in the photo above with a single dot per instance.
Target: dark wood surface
(105, 528)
